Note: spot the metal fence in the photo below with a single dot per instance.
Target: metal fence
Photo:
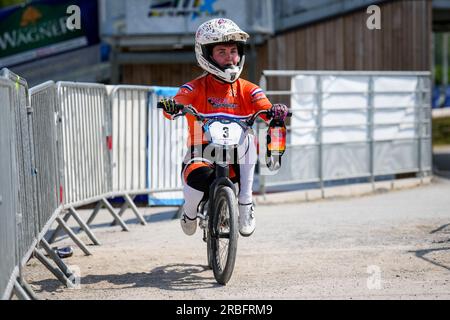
(26, 172)
(72, 144)
(146, 148)
(129, 142)
(167, 147)
(22, 218)
(48, 166)
(85, 132)
(8, 190)
(352, 125)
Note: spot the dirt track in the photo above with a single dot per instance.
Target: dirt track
(393, 245)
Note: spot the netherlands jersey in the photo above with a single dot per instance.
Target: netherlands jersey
(212, 97)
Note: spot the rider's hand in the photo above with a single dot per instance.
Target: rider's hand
(169, 106)
(279, 111)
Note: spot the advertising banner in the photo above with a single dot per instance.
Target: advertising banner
(39, 29)
(184, 16)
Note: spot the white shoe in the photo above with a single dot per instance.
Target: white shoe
(247, 221)
(188, 225)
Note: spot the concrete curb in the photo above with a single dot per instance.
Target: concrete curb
(340, 191)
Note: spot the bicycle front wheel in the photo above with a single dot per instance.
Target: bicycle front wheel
(223, 232)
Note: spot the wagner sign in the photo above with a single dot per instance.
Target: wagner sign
(39, 29)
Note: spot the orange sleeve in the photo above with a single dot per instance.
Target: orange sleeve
(258, 99)
(184, 96)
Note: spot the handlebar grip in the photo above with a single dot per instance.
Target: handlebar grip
(270, 114)
(160, 105)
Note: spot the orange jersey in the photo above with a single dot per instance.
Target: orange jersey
(210, 96)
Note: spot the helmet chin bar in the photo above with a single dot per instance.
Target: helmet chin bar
(232, 72)
(229, 75)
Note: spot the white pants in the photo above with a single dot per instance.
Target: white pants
(247, 157)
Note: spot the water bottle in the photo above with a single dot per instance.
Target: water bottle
(276, 138)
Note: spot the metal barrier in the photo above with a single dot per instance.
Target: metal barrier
(34, 183)
(167, 148)
(68, 152)
(8, 191)
(24, 149)
(129, 118)
(23, 182)
(134, 117)
(129, 110)
(352, 125)
(48, 164)
(85, 130)
(142, 148)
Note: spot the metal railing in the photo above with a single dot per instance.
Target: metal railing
(85, 127)
(348, 125)
(76, 144)
(129, 110)
(24, 181)
(48, 164)
(167, 149)
(8, 190)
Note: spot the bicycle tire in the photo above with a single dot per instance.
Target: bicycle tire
(209, 253)
(225, 206)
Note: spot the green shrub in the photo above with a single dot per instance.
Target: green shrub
(441, 131)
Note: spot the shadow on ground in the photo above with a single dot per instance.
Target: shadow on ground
(422, 254)
(149, 218)
(173, 277)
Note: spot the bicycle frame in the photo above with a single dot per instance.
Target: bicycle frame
(222, 172)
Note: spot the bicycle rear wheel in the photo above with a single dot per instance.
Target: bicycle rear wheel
(223, 234)
(209, 253)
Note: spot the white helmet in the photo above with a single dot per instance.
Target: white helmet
(214, 32)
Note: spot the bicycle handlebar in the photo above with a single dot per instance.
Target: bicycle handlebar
(191, 110)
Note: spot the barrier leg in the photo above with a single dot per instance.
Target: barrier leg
(94, 213)
(129, 203)
(61, 265)
(56, 272)
(27, 289)
(20, 292)
(73, 236)
(121, 212)
(114, 214)
(84, 226)
(133, 207)
(58, 228)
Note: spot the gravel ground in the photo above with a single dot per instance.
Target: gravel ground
(393, 245)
